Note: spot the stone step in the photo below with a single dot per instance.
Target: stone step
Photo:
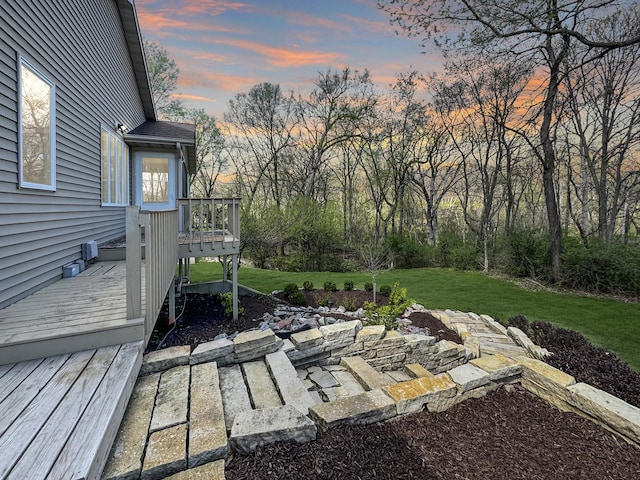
(235, 397)
(413, 395)
(364, 408)
(208, 471)
(261, 388)
(255, 428)
(291, 388)
(172, 399)
(166, 453)
(367, 376)
(207, 430)
(125, 459)
(348, 382)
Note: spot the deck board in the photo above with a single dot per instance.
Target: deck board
(53, 319)
(60, 422)
(15, 403)
(16, 439)
(47, 445)
(100, 419)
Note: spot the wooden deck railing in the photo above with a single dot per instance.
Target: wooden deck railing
(161, 257)
(213, 221)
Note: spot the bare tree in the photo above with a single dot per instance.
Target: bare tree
(542, 31)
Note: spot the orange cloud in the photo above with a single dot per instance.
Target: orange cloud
(160, 21)
(370, 25)
(218, 80)
(195, 98)
(281, 57)
(306, 20)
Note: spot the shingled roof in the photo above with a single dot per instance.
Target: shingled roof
(165, 134)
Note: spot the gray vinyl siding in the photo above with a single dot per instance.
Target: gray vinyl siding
(79, 45)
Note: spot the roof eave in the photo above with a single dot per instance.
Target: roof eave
(134, 41)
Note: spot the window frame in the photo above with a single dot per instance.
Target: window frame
(22, 183)
(118, 160)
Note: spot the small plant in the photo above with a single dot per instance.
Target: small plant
(307, 285)
(226, 299)
(348, 285)
(298, 299)
(290, 289)
(350, 305)
(387, 315)
(330, 286)
(368, 287)
(385, 290)
(326, 300)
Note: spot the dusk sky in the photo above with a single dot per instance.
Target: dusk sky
(225, 47)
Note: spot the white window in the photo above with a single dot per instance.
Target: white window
(36, 129)
(115, 169)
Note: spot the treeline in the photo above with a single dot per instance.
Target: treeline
(477, 167)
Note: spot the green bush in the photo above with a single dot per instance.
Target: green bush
(610, 268)
(527, 253)
(290, 289)
(387, 315)
(464, 257)
(385, 290)
(368, 287)
(298, 299)
(330, 286)
(226, 299)
(307, 285)
(348, 285)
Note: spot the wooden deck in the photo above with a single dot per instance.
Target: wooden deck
(60, 414)
(80, 313)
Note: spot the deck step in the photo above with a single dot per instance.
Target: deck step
(292, 391)
(369, 377)
(72, 417)
(235, 397)
(255, 428)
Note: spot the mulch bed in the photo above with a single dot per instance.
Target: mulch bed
(501, 436)
(505, 435)
(575, 355)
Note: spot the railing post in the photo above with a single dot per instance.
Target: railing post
(133, 263)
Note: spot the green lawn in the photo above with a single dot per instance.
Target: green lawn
(613, 325)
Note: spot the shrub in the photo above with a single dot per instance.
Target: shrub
(298, 299)
(464, 257)
(330, 286)
(385, 290)
(226, 299)
(325, 300)
(290, 289)
(601, 267)
(350, 305)
(348, 285)
(368, 287)
(527, 253)
(307, 285)
(387, 315)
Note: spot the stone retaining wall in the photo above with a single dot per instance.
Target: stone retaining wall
(491, 356)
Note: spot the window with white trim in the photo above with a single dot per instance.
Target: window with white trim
(36, 129)
(115, 169)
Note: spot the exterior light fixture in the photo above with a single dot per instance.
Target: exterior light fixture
(122, 128)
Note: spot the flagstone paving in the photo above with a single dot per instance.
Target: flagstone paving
(188, 412)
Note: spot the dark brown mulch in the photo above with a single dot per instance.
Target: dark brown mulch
(436, 327)
(575, 355)
(504, 435)
(203, 319)
(350, 299)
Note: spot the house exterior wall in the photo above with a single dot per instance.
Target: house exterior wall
(80, 46)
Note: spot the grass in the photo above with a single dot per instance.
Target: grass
(608, 323)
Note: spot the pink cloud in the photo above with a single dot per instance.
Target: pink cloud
(306, 20)
(195, 98)
(218, 80)
(282, 57)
